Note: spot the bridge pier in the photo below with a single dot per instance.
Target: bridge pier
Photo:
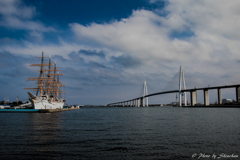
(219, 96)
(238, 94)
(193, 95)
(141, 102)
(206, 97)
(146, 99)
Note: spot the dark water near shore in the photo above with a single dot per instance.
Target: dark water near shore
(121, 133)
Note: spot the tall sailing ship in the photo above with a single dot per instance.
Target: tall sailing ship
(47, 94)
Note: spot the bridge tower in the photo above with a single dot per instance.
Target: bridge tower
(145, 92)
(182, 82)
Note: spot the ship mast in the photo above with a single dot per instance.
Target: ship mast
(58, 85)
(49, 76)
(40, 83)
(40, 75)
(54, 82)
(47, 83)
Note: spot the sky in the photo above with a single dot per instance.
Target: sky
(107, 49)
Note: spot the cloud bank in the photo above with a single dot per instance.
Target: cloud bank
(202, 36)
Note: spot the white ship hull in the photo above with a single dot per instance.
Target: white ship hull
(41, 103)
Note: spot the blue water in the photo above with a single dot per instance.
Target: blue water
(121, 133)
(19, 110)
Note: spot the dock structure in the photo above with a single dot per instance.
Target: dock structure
(36, 110)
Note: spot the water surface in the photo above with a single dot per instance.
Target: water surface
(121, 133)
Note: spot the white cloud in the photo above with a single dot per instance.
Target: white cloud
(14, 22)
(213, 22)
(16, 8)
(143, 34)
(15, 14)
(152, 38)
(214, 27)
(36, 36)
(63, 49)
(139, 33)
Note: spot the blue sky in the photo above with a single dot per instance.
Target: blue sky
(107, 49)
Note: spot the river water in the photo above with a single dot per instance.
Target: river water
(122, 133)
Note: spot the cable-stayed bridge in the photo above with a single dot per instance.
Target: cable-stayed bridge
(181, 91)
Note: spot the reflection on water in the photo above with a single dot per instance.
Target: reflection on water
(44, 130)
(120, 133)
(28, 134)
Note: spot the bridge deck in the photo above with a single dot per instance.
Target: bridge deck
(186, 90)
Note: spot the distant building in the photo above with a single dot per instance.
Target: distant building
(227, 101)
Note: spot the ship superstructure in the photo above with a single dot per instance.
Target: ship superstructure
(48, 93)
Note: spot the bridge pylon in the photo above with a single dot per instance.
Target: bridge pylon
(182, 96)
(145, 92)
